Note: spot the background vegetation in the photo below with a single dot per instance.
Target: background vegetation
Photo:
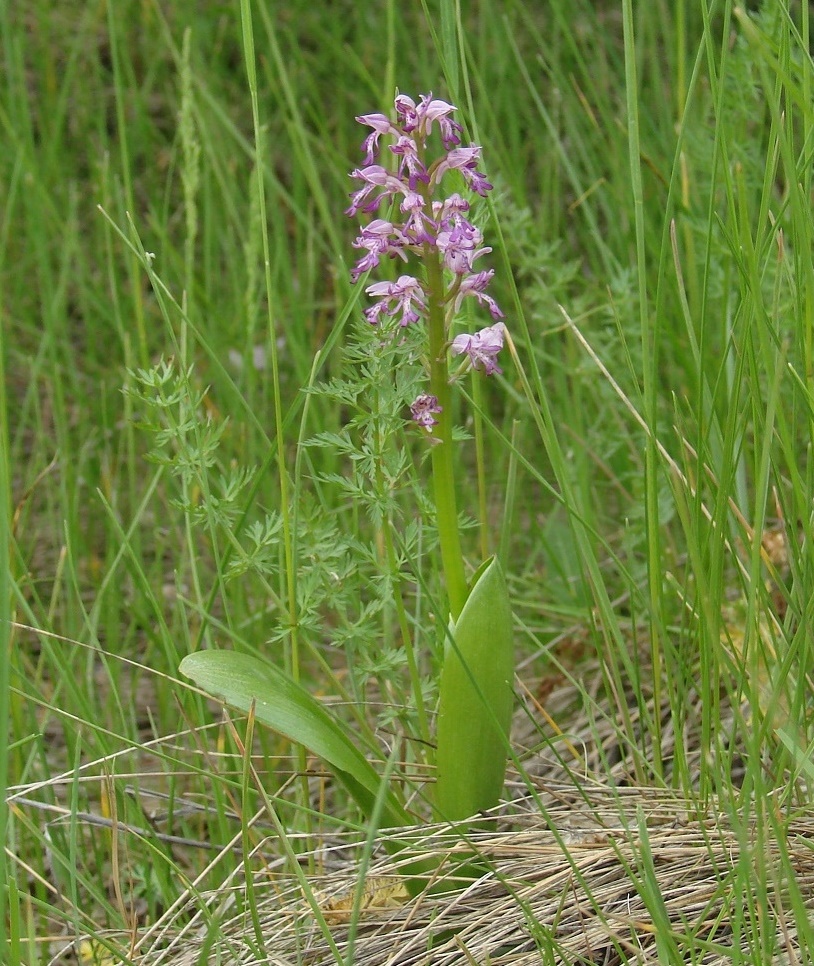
(646, 475)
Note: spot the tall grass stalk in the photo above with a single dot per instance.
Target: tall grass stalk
(9, 900)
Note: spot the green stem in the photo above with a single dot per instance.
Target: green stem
(480, 461)
(443, 469)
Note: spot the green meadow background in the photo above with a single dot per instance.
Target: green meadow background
(646, 472)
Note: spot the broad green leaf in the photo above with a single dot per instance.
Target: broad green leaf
(476, 700)
(242, 680)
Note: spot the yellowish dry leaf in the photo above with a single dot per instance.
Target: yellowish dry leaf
(380, 892)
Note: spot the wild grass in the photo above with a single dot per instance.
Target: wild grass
(173, 188)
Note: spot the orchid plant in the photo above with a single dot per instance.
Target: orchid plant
(403, 181)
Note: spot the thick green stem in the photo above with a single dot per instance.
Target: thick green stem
(443, 468)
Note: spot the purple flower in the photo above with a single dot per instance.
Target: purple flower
(406, 112)
(406, 149)
(439, 111)
(424, 409)
(482, 347)
(378, 238)
(417, 221)
(475, 285)
(422, 117)
(373, 176)
(464, 160)
(443, 211)
(381, 125)
(406, 296)
(458, 243)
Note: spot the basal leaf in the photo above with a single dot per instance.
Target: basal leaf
(476, 700)
(242, 680)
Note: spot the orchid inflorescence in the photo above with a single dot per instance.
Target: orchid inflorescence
(432, 227)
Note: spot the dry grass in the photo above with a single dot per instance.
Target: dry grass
(582, 865)
(566, 874)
